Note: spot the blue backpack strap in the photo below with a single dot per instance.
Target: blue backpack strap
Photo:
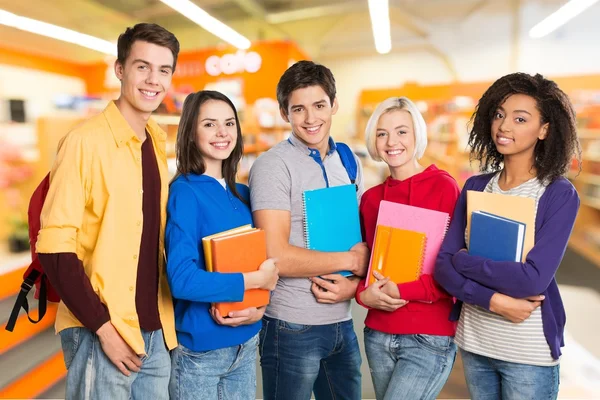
(348, 161)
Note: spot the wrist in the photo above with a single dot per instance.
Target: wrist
(495, 301)
(353, 262)
(251, 280)
(104, 331)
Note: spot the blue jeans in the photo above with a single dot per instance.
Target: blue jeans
(299, 359)
(227, 373)
(491, 379)
(408, 366)
(91, 374)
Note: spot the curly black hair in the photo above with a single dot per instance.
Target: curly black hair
(553, 155)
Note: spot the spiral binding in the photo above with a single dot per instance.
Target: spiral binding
(422, 259)
(447, 226)
(305, 222)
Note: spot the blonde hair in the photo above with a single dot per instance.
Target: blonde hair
(394, 104)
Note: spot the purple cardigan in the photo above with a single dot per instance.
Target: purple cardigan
(475, 279)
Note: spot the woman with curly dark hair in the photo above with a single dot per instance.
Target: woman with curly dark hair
(511, 322)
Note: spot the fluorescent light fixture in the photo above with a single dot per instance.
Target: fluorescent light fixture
(57, 32)
(380, 21)
(208, 22)
(560, 17)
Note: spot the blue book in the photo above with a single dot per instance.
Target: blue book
(496, 238)
(331, 221)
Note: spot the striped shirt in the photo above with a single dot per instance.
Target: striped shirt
(482, 332)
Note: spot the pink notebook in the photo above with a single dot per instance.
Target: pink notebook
(434, 224)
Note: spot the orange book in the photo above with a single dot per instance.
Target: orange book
(397, 254)
(242, 252)
(521, 209)
(206, 242)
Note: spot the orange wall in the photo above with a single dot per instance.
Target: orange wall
(42, 63)
(191, 72)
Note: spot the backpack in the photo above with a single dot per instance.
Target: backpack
(34, 276)
(348, 161)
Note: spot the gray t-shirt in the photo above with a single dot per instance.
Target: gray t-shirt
(277, 180)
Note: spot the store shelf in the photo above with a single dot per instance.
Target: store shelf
(441, 159)
(591, 158)
(591, 202)
(583, 247)
(585, 177)
(588, 134)
(254, 148)
(166, 119)
(443, 138)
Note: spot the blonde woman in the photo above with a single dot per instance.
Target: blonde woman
(408, 337)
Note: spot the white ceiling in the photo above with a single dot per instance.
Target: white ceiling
(340, 27)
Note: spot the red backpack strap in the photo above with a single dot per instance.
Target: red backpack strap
(34, 274)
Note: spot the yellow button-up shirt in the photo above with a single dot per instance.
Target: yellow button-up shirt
(94, 209)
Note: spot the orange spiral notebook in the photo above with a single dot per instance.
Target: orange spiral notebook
(397, 254)
(240, 252)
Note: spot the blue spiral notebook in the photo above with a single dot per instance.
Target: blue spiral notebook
(331, 221)
(496, 238)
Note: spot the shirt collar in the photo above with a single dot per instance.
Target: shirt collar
(297, 143)
(121, 129)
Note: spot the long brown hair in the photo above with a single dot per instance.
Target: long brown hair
(189, 157)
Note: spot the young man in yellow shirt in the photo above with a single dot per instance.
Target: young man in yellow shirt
(102, 227)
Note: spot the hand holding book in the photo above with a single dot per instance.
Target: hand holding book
(247, 316)
(334, 288)
(361, 255)
(375, 296)
(265, 278)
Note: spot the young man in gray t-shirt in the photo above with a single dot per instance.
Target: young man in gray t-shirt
(307, 342)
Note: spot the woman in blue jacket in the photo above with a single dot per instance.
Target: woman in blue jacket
(216, 356)
(510, 329)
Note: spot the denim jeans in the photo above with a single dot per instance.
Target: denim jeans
(408, 366)
(91, 374)
(299, 359)
(227, 373)
(491, 379)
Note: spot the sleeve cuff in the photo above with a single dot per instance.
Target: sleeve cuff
(265, 205)
(412, 291)
(237, 284)
(478, 295)
(55, 240)
(101, 320)
(359, 289)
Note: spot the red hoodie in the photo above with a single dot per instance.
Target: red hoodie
(429, 305)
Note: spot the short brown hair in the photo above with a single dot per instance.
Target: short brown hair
(304, 74)
(151, 33)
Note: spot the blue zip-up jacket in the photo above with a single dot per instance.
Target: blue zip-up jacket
(199, 206)
(475, 279)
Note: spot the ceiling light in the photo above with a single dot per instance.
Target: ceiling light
(57, 32)
(206, 21)
(560, 17)
(380, 21)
